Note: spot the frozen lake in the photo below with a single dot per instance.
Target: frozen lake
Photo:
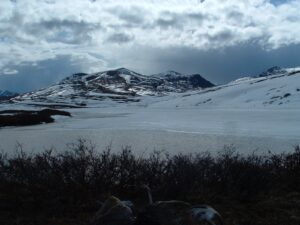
(174, 130)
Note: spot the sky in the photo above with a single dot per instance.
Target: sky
(43, 41)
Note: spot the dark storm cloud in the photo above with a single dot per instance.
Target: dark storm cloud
(219, 66)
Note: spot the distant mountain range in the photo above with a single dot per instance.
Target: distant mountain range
(275, 86)
(121, 85)
(6, 95)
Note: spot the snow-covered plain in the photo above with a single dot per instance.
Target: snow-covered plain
(252, 114)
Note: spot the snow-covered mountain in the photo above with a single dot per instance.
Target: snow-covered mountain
(122, 85)
(273, 71)
(5, 95)
(277, 88)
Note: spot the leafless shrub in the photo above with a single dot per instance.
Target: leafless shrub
(72, 182)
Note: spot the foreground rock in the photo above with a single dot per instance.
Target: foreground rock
(176, 212)
(179, 213)
(114, 212)
(117, 212)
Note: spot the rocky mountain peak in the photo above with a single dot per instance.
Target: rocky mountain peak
(272, 71)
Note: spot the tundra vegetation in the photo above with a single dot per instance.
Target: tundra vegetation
(69, 187)
(29, 117)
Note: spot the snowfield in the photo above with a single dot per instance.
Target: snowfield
(247, 93)
(252, 114)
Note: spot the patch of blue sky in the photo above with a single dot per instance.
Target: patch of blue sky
(279, 2)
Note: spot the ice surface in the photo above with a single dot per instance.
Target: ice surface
(175, 130)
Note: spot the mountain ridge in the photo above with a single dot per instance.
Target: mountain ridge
(274, 86)
(121, 85)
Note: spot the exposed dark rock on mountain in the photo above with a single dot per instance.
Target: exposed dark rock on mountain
(272, 71)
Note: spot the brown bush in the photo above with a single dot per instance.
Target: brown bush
(70, 184)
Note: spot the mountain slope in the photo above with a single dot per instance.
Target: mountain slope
(277, 90)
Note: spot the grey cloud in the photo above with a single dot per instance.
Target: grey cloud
(170, 20)
(180, 20)
(165, 23)
(128, 18)
(65, 31)
(120, 38)
(132, 16)
(132, 19)
(222, 36)
(200, 17)
(74, 32)
(12, 28)
(52, 30)
(235, 15)
(58, 24)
